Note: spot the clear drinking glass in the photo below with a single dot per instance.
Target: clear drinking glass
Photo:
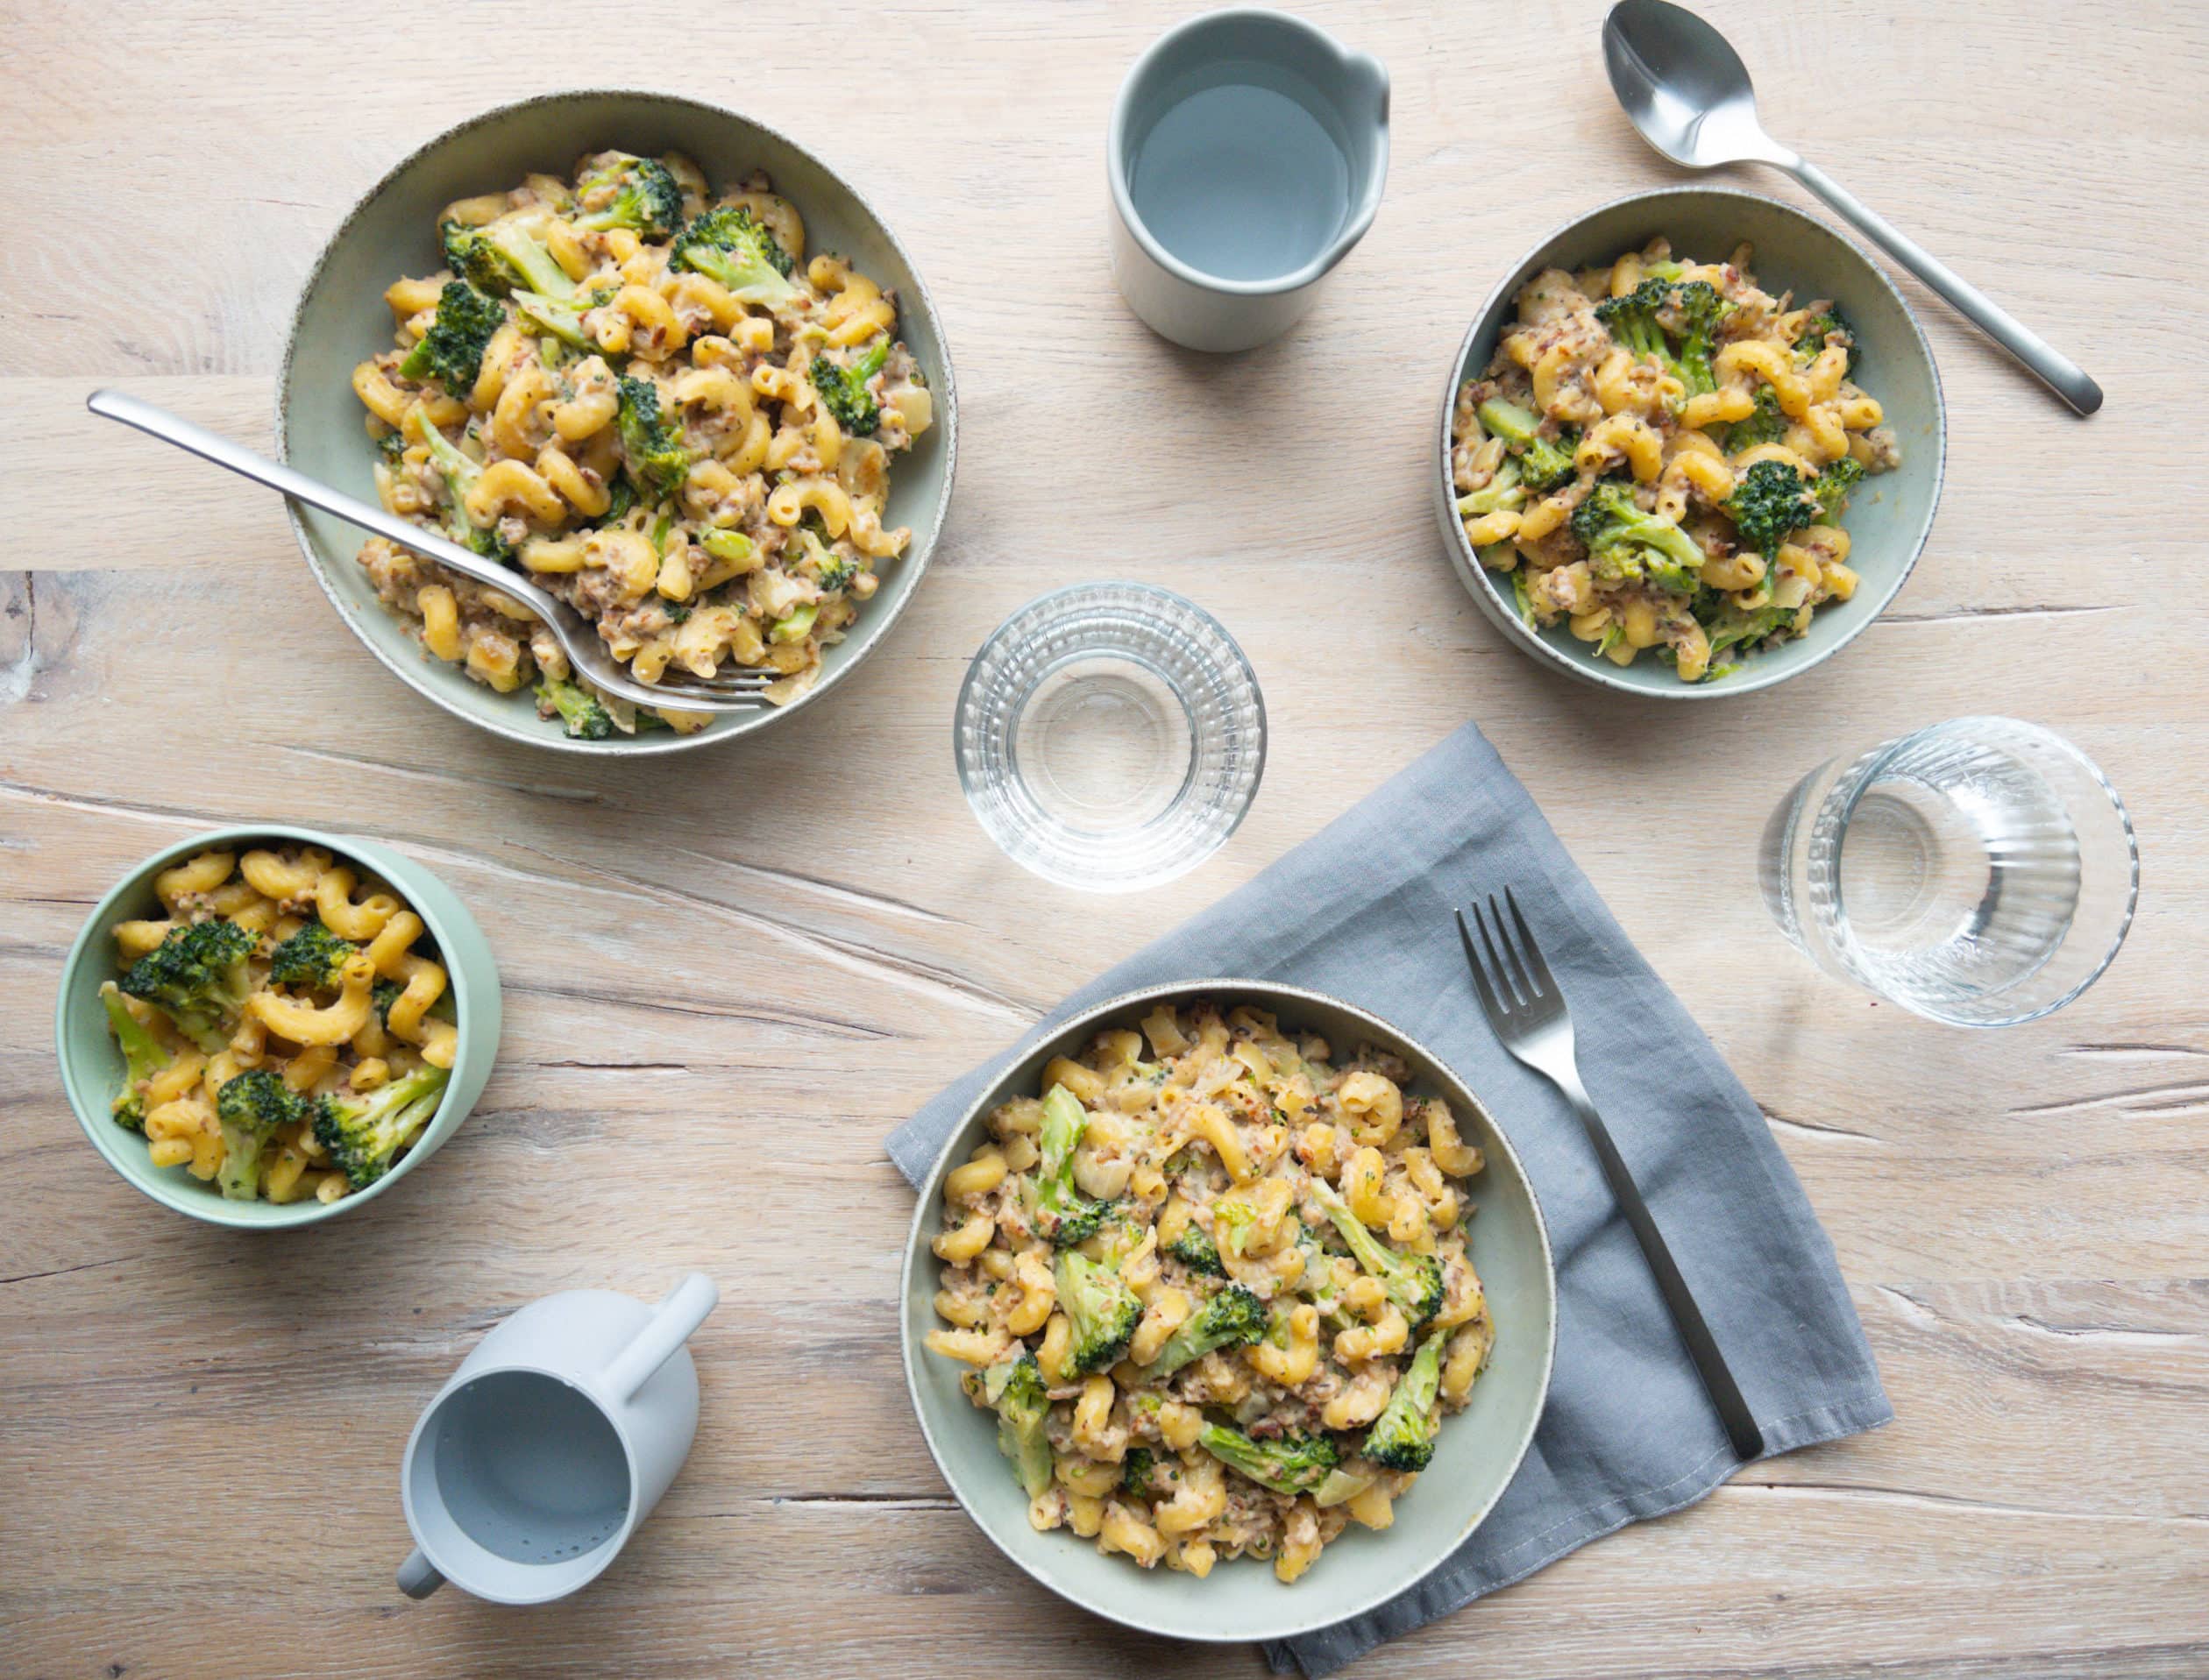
(1109, 736)
(1981, 871)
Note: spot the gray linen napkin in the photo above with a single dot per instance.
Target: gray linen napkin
(1363, 911)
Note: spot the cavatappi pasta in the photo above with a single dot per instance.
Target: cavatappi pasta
(648, 400)
(284, 1025)
(1660, 455)
(1214, 1289)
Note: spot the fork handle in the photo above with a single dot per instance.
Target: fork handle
(1702, 1346)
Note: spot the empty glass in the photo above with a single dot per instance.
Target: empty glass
(1109, 736)
(1981, 871)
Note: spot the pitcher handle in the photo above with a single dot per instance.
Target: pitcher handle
(418, 1576)
(682, 1310)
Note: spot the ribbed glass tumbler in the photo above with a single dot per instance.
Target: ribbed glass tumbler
(1109, 736)
(1981, 872)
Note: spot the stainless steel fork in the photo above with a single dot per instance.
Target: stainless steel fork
(679, 691)
(1527, 1010)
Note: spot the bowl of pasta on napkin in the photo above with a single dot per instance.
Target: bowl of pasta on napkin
(1228, 1311)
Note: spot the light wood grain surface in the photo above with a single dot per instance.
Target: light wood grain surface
(199, 1431)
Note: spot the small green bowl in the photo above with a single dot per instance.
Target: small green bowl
(1475, 1458)
(92, 1066)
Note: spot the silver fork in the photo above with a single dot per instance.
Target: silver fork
(1527, 1010)
(681, 691)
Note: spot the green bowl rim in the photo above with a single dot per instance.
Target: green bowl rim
(1475, 576)
(1431, 1068)
(201, 1202)
(736, 725)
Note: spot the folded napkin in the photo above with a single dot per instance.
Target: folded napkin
(1363, 911)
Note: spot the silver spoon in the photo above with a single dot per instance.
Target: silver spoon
(1687, 91)
(587, 651)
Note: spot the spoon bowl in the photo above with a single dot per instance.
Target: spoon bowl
(1684, 88)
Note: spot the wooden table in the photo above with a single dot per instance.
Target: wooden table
(199, 1431)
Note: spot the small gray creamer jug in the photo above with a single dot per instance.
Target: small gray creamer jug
(528, 1473)
(1246, 154)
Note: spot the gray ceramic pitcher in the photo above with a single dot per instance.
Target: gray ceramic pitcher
(1246, 155)
(532, 1467)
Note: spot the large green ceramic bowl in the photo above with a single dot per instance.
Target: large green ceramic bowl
(92, 1066)
(1479, 1448)
(342, 319)
(1891, 514)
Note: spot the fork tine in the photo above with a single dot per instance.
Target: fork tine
(1480, 975)
(1522, 980)
(1504, 967)
(1535, 961)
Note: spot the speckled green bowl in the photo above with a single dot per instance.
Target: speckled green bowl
(92, 1067)
(1479, 1448)
(1891, 514)
(341, 320)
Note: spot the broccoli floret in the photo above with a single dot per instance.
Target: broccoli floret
(1013, 1388)
(1545, 463)
(1733, 627)
(645, 197)
(143, 1057)
(1835, 480)
(1100, 1309)
(1316, 1283)
(563, 321)
(1403, 1436)
(1673, 323)
(1818, 329)
(794, 625)
(1765, 424)
(1413, 1281)
(460, 471)
(1063, 1216)
(196, 977)
(364, 1133)
(1626, 543)
(1290, 1464)
(1143, 1475)
(1691, 314)
(825, 567)
(1505, 491)
(1771, 500)
(503, 258)
(249, 1108)
(1233, 1318)
(583, 713)
(1522, 594)
(732, 546)
(452, 351)
(313, 956)
(843, 391)
(729, 246)
(381, 996)
(655, 460)
(1196, 1252)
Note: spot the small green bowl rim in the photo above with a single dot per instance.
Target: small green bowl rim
(194, 1199)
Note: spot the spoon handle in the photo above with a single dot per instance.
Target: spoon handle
(2054, 369)
(212, 446)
